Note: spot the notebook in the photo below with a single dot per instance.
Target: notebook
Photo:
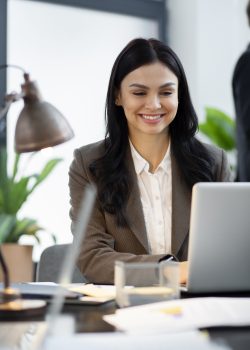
(45, 291)
(219, 239)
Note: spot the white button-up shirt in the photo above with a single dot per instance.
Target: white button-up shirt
(156, 198)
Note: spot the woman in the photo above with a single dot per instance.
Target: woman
(145, 168)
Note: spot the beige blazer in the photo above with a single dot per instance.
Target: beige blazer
(105, 242)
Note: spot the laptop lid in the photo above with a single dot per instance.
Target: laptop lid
(219, 239)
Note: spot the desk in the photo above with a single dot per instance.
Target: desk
(89, 319)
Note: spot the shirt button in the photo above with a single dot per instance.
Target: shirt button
(160, 223)
(157, 198)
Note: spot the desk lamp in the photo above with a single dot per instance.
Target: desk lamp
(39, 125)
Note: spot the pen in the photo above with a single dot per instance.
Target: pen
(169, 259)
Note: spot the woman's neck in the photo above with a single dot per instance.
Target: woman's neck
(152, 148)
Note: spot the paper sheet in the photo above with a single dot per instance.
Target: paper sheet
(182, 315)
(112, 341)
(93, 290)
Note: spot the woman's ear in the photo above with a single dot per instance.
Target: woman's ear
(118, 99)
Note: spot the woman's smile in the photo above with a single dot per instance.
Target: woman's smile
(151, 117)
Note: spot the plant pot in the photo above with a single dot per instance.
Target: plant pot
(18, 259)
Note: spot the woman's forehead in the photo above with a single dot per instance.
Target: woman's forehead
(155, 73)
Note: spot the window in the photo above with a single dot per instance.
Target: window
(70, 55)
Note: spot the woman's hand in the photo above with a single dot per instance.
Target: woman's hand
(183, 271)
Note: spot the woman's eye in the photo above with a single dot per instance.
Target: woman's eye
(166, 93)
(139, 93)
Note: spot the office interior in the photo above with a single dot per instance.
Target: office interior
(74, 53)
(68, 47)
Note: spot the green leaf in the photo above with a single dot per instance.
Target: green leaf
(1, 200)
(25, 226)
(219, 128)
(3, 167)
(3, 177)
(15, 167)
(7, 223)
(14, 193)
(18, 193)
(45, 172)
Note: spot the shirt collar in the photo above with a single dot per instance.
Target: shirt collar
(141, 164)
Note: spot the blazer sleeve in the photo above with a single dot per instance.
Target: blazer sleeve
(98, 255)
(223, 172)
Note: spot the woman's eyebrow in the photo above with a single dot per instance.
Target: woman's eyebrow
(139, 86)
(168, 84)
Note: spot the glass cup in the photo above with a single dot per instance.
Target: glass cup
(143, 283)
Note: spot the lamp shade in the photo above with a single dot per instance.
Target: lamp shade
(39, 124)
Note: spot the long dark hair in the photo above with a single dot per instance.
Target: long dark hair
(109, 171)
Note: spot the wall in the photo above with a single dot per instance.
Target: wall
(208, 36)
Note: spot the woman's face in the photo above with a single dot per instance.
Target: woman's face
(149, 97)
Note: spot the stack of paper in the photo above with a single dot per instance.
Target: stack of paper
(92, 294)
(113, 341)
(182, 315)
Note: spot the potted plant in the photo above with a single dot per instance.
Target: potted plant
(220, 129)
(15, 189)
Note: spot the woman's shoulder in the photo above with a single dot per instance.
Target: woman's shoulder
(92, 150)
(212, 149)
(218, 155)
(220, 164)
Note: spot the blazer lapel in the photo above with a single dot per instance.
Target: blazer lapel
(134, 207)
(181, 199)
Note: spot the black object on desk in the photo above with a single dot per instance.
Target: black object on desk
(41, 291)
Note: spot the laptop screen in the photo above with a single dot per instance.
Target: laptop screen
(219, 238)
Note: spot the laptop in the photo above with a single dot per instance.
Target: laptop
(219, 239)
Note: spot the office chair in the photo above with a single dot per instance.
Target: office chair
(49, 266)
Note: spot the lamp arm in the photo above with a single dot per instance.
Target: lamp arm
(9, 99)
(5, 109)
(5, 271)
(4, 66)
(13, 97)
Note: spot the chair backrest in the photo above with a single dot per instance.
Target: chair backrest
(49, 266)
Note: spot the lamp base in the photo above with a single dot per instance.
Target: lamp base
(9, 294)
(22, 309)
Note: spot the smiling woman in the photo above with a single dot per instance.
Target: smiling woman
(145, 168)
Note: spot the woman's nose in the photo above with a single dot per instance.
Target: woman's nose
(153, 102)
